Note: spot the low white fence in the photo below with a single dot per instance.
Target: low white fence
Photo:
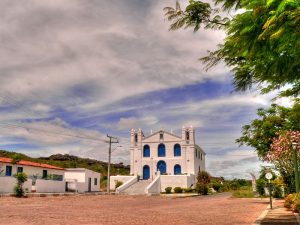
(50, 186)
(7, 185)
(183, 181)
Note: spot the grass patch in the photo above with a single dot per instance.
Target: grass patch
(243, 193)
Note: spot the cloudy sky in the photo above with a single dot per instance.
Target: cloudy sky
(74, 68)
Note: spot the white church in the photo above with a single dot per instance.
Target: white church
(161, 159)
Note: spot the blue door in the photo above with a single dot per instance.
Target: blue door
(162, 167)
(146, 172)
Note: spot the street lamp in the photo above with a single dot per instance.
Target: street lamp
(295, 160)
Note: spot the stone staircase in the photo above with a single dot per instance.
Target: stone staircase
(139, 188)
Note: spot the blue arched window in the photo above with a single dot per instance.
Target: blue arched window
(161, 151)
(177, 150)
(177, 169)
(146, 151)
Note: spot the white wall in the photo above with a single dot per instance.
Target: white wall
(93, 175)
(7, 184)
(50, 186)
(75, 175)
(173, 181)
(75, 186)
(114, 179)
(82, 177)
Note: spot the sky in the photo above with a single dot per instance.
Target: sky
(73, 68)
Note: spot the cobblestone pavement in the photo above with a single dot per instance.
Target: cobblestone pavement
(218, 209)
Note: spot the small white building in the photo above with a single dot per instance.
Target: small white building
(42, 178)
(82, 180)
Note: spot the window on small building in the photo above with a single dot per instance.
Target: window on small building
(45, 174)
(8, 171)
(95, 181)
(161, 152)
(146, 151)
(20, 170)
(177, 150)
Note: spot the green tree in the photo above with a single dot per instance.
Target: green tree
(261, 132)
(262, 42)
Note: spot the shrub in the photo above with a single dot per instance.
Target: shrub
(288, 201)
(178, 190)
(118, 184)
(18, 189)
(292, 201)
(296, 206)
(260, 186)
(188, 190)
(203, 177)
(278, 185)
(168, 190)
(216, 186)
(234, 186)
(277, 192)
(202, 188)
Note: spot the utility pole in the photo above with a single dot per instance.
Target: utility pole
(109, 159)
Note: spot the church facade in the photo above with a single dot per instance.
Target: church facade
(165, 153)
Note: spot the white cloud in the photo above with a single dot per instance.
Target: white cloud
(62, 59)
(133, 122)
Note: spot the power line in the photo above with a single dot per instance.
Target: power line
(55, 133)
(29, 113)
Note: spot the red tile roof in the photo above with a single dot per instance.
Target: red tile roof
(28, 163)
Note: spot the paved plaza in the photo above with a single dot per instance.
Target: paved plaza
(131, 210)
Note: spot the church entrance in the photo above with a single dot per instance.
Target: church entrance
(162, 167)
(146, 172)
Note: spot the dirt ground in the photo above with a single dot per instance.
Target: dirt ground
(130, 210)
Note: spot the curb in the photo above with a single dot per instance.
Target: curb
(262, 216)
(265, 212)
